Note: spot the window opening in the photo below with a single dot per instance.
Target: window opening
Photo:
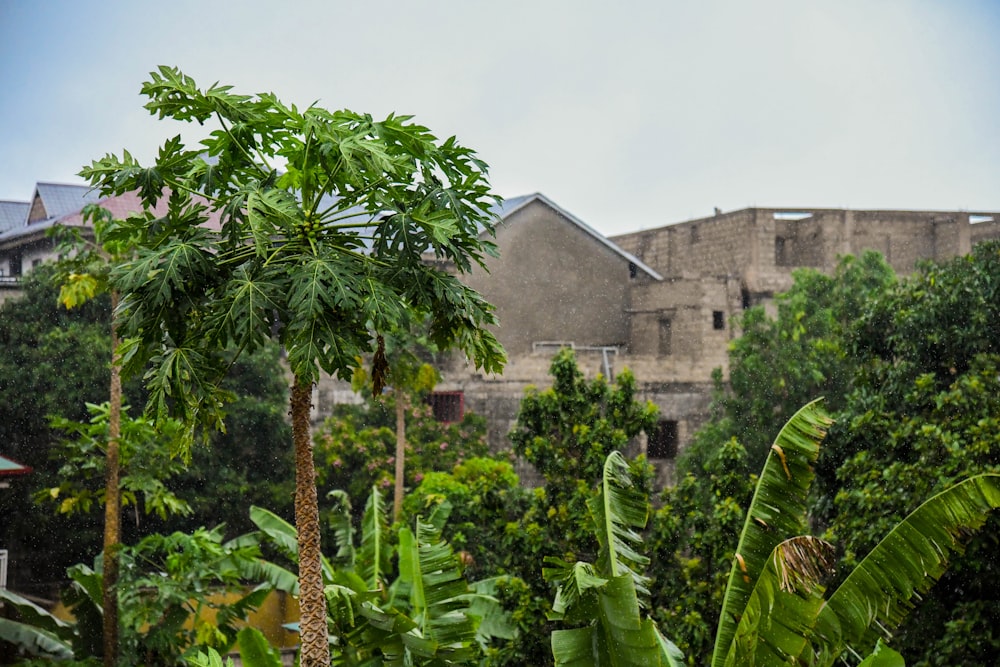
(662, 442)
(718, 320)
(666, 333)
(447, 406)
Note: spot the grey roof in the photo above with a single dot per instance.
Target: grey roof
(60, 199)
(512, 205)
(13, 214)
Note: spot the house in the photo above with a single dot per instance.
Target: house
(660, 301)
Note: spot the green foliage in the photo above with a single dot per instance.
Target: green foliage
(423, 616)
(776, 513)
(925, 400)
(170, 582)
(254, 652)
(779, 364)
(693, 537)
(317, 255)
(147, 462)
(169, 585)
(605, 597)
(567, 433)
(487, 502)
(355, 448)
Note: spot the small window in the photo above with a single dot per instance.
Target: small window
(666, 333)
(662, 442)
(633, 270)
(35, 263)
(695, 234)
(718, 320)
(447, 406)
(745, 300)
(780, 251)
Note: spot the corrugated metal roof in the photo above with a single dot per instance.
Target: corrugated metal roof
(58, 199)
(13, 214)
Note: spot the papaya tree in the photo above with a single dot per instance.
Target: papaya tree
(83, 273)
(309, 227)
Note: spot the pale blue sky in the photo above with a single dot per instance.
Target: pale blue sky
(630, 115)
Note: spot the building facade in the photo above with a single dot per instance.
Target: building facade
(661, 302)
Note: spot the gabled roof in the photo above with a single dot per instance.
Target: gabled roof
(58, 199)
(514, 204)
(13, 214)
(9, 467)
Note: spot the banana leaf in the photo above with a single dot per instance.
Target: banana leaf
(620, 637)
(784, 604)
(876, 596)
(374, 557)
(618, 510)
(776, 513)
(38, 632)
(430, 577)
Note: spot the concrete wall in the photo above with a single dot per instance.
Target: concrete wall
(554, 282)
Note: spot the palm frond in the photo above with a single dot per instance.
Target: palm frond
(618, 510)
(777, 512)
(784, 604)
(874, 599)
(374, 557)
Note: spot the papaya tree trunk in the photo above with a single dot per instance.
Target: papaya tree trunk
(112, 502)
(315, 651)
(397, 499)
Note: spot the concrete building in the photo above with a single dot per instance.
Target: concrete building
(660, 302)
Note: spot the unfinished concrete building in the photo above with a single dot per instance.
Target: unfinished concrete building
(661, 302)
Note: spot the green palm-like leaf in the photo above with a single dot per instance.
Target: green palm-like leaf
(39, 632)
(283, 536)
(618, 510)
(784, 604)
(374, 558)
(777, 512)
(621, 637)
(34, 640)
(431, 578)
(877, 594)
(343, 530)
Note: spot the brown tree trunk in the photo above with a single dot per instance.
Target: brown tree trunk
(397, 500)
(315, 651)
(112, 502)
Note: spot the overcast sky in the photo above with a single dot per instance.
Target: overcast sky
(630, 115)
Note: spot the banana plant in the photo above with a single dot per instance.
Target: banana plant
(425, 616)
(603, 599)
(776, 608)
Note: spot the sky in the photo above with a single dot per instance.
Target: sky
(630, 115)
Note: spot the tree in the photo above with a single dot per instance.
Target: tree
(778, 364)
(922, 415)
(324, 222)
(83, 273)
(356, 447)
(566, 432)
(53, 362)
(409, 375)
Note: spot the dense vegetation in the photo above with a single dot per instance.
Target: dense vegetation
(771, 549)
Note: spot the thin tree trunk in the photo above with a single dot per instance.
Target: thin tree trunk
(112, 502)
(397, 500)
(315, 651)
